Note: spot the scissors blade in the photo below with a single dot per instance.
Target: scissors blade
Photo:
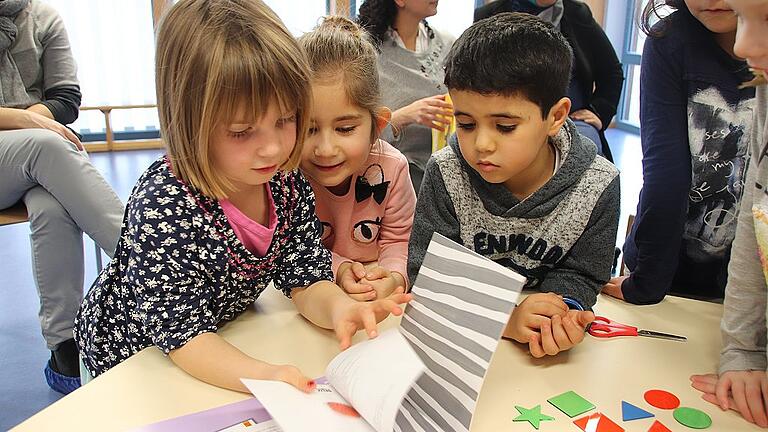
(653, 334)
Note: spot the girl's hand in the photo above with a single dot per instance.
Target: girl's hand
(742, 391)
(291, 375)
(349, 317)
(433, 112)
(383, 281)
(560, 333)
(588, 117)
(613, 287)
(350, 278)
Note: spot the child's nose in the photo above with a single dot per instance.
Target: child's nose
(324, 147)
(271, 146)
(484, 143)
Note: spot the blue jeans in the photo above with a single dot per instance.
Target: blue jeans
(589, 131)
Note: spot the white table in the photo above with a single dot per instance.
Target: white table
(149, 388)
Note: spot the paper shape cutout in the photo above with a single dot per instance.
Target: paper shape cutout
(597, 422)
(571, 403)
(658, 427)
(532, 416)
(693, 418)
(631, 412)
(461, 304)
(662, 399)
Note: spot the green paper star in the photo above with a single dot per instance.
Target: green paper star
(532, 416)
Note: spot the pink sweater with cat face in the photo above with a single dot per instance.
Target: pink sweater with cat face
(372, 221)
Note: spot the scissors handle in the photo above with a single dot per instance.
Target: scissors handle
(603, 327)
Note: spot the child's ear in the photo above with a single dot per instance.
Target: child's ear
(383, 116)
(558, 114)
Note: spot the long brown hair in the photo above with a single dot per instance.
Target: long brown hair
(215, 57)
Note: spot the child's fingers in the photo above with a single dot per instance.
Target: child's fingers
(704, 383)
(574, 331)
(754, 398)
(740, 398)
(711, 398)
(546, 308)
(551, 298)
(359, 270)
(363, 297)
(344, 334)
(722, 390)
(534, 346)
(293, 376)
(534, 321)
(377, 273)
(355, 287)
(547, 340)
(559, 334)
(764, 387)
(387, 306)
(398, 296)
(583, 318)
(369, 322)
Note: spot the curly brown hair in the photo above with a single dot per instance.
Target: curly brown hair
(377, 16)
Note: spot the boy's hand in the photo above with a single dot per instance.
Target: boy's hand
(560, 333)
(349, 317)
(383, 281)
(291, 375)
(350, 278)
(742, 391)
(529, 316)
(613, 287)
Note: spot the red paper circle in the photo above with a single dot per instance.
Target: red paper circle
(662, 399)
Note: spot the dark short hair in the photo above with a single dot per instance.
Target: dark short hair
(511, 54)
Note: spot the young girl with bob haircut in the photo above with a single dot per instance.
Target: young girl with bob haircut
(365, 199)
(212, 223)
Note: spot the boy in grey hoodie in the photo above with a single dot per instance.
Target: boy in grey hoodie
(518, 184)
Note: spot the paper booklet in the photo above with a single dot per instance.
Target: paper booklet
(424, 376)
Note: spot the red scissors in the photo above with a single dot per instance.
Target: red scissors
(603, 327)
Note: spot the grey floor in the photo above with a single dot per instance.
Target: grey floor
(22, 350)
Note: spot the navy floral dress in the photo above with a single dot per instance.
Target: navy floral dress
(180, 271)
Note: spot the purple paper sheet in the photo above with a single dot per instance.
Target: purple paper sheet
(213, 419)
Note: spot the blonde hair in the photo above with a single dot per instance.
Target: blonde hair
(340, 49)
(215, 57)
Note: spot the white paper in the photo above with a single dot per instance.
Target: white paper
(296, 411)
(374, 375)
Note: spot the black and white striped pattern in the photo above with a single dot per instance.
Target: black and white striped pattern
(462, 302)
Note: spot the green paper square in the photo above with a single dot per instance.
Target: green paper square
(571, 403)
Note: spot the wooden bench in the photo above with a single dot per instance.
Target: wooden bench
(110, 144)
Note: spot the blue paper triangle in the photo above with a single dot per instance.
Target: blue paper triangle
(631, 412)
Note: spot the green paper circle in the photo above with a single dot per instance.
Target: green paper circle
(692, 418)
